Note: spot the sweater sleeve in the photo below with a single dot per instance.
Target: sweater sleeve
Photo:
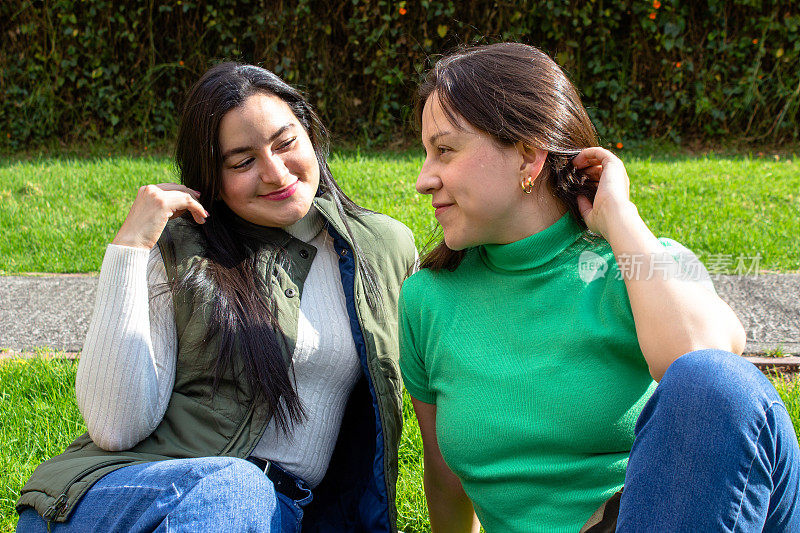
(412, 362)
(127, 367)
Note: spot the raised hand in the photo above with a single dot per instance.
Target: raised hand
(613, 188)
(153, 207)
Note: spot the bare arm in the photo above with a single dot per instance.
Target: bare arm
(672, 316)
(449, 507)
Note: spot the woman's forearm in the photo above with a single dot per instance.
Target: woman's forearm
(127, 365)
(673, 316)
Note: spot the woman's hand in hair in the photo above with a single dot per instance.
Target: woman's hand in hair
(673, 315)
(613, 189)
(153, 207)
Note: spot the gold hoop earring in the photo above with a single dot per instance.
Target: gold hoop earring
(527, 185)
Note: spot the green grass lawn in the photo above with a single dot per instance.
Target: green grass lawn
(40, 418)
(57, 215)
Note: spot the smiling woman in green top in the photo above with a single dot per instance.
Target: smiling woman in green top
(530, 345)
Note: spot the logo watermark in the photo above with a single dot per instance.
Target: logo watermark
(686, 266)
(591, 267)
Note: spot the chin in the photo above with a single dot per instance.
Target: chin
(286, 217)
(455, 244)
(296, 209)
(294, 215)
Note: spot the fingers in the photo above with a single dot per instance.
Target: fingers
(170, 200)
(600, 165)
(592, 172)
(154, 205)
(195, 195)
(594, 156)
(198, 211)
(177, 202)
(178, 187)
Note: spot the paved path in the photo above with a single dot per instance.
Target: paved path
(47, 310)
(769, 308)
(54, 311)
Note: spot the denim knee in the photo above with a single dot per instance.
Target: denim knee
(198, 494)
(721, 373)
(716, 380)
(30, 522)
(242, 480)
(713, 443)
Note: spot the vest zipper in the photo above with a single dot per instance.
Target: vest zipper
(55, 509)
(52, 512)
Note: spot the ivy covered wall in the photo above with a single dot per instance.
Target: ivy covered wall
(82, 70)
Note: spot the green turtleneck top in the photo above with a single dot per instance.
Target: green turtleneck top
(529, 352)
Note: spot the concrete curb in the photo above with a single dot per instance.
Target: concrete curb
(45, 310)
(781, 365)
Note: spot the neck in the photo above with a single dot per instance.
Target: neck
(535, 213)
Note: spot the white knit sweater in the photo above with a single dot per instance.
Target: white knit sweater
(127, 368)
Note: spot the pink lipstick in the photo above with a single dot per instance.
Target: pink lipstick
(281, 194)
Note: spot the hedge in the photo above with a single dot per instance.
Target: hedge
(89, 70)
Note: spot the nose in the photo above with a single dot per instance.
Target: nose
(273, 169)
(428, 181)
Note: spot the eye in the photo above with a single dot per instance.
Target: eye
(443, 149)
(244, 163)
(287, 143)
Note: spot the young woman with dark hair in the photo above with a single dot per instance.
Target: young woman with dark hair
(533, 336)
(240, 371)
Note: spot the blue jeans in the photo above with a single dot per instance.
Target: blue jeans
(715, 450)
(204, 494)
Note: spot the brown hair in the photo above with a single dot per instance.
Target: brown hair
(514, 93)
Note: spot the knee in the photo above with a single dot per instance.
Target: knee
(233, 480)
(716, 379)
(243, 479)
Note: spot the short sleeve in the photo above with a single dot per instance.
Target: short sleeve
(412, 361)
(692, 269)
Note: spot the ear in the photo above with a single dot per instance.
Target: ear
(532, 160)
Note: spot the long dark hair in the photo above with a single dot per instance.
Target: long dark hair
(514, 93)
(241, 320)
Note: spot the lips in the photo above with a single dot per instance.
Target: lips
(282, 193)
(440, 208)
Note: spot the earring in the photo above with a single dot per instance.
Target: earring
(527, 184)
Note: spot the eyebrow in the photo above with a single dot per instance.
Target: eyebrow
(433, 138)
(280, 131)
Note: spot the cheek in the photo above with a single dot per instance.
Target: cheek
(232, 187)
(489, 199)
(302, 161)
(310, 161)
